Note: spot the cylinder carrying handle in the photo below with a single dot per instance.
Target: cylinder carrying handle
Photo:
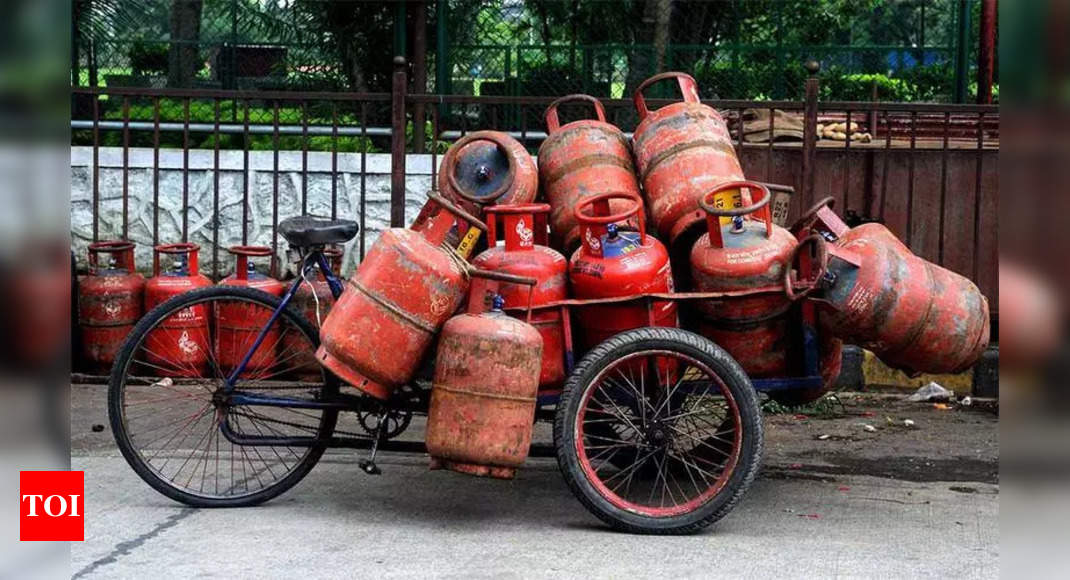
(457, 211)
(553, 123)
(243, 253)
(121, 249)
(537, 212)
(760, 208)
(688, 89)
(818, 267)
(190, 249)
(601, 217)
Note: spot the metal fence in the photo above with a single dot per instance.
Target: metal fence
(927, 170)
(739, 49)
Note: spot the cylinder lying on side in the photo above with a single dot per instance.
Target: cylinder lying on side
(407, 286)
(876, 293)
(483, 397)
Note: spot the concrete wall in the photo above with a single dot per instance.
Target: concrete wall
(201, 197)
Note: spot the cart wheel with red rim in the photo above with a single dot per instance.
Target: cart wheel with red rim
(658, 431)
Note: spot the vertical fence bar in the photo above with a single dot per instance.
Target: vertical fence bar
(275, 188)
(739, 133)
(887, 154)
(126, 165)
(810, 132)
(245, 177)
(769, 149)
(334, 160)
(215, 193)
(185, 169)
(977, 195)
(363, 175)
(156, 171)
(910, 178)
(419, 69)
(96, 167)
(304, 157)
(397, 145)
(943, 184)
(434, 149)
(847, 163)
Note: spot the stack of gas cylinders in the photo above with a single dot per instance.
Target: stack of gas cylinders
(518, 247)
(575, 228)
(113, 296)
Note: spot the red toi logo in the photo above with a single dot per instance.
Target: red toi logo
(51, 506)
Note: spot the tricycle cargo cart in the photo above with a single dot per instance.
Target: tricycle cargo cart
(656, 429)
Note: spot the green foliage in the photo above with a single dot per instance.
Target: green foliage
(430, 144)
(147, 58)
(859, 87)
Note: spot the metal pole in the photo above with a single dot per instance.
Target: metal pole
(419, 74)
(397, 145)
(810, 132)
(400, 41)
(442, 68)
(986, 54)
(961, 50)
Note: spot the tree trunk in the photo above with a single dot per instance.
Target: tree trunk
(184, 58)
(663, 17)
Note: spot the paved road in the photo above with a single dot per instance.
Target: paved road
(805, 520)
(410, 522)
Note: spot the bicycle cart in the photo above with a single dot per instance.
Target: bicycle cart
(656, 430)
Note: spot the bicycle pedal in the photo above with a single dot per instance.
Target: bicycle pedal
(370, 467)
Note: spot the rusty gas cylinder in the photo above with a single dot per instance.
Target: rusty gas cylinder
(525, 253)
(682, 151)
(313, 299)
(238, 323)
(487, 168)
(580, 159)
(874, 292)
(611, 263)
(110, 302)
(407, 286)
(483, 395)
(178, 347)
(743, 250)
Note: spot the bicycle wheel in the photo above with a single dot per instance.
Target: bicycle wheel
(683, 414)
(167, 406)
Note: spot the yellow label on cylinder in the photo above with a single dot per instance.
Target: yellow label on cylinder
(728, 199)
(468, 242)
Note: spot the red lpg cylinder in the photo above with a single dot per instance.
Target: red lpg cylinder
(407, 286)
(313, 299)
(239, 323)
(613, 263)
(741, 253)
(875, 293)
(682, 151)
(488, 168)
(110, 301)
(179, 346)
(578, 160)
(525, 254)
(486, 379)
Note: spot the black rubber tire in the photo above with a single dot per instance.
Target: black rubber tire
(126, 352)
(692, 345)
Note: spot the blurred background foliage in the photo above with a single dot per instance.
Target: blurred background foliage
(745, 49)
